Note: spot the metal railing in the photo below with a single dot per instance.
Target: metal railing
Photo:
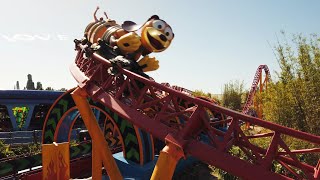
(28, 137)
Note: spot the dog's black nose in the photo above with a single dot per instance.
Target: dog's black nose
(163, 37)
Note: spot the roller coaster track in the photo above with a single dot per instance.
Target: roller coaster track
(257, 83)
(183, 120)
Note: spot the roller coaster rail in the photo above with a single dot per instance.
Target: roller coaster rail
(182, 121)
(255, 86)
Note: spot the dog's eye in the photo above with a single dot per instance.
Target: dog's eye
(158, 24)
(168, 32)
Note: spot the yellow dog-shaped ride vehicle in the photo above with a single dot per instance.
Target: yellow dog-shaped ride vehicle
(156, 36)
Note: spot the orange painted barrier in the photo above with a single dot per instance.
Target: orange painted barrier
(55, 161)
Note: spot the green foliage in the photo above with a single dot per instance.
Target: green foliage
(225, 175)
(294, 99)
(200, 93)
(10, 151)
(233, 95)
(34, 148)
(5, 150)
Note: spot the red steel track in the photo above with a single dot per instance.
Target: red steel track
(255, 86)
(179, 118)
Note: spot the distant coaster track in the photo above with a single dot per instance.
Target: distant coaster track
(258, 84)
(180, 119)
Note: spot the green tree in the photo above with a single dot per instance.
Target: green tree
(233, 95)
(293, 100)
(210, 96)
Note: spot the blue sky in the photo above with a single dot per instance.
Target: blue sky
(215, 41)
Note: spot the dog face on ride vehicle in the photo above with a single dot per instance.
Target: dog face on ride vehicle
(156, 34)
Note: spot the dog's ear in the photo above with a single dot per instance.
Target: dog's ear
(153, 17)
(130, 26)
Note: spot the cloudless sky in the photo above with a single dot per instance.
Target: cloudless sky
(215, 41)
